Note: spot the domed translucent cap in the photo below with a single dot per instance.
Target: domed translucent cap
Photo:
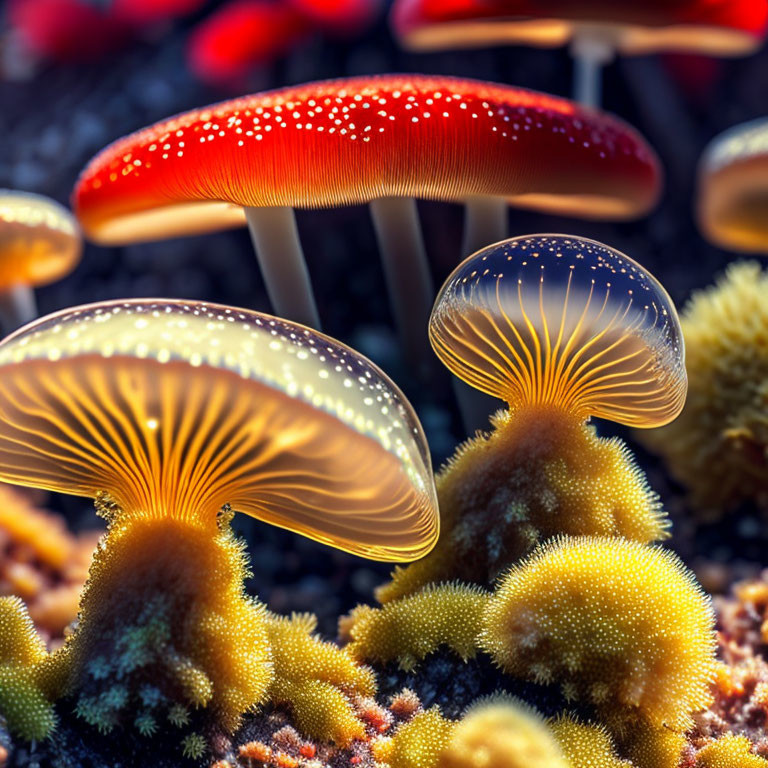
(563, 320)
(178, 408)
(40, 240)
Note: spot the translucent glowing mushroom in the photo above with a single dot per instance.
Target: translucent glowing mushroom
(172, 415)
(562, 329)
(381, 140)
(176, 409)
(560, 321)
(733, 188)
(596, 29)
(40, 243)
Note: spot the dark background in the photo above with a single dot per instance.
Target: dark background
(55, 116)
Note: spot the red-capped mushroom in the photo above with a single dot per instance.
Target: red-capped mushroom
(597, 29)
(240, 36)
(382, 140)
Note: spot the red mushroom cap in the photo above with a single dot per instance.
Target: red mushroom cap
(716, 27)
(343, 142)
(240, 36)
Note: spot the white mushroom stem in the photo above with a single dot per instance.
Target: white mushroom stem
(591, 50)
(281, 258)
(17, 307)
(485, 223)
(406, 269)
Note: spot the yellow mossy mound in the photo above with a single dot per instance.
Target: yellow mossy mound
(729, 752)
(540, 473)
(586, 745)
(410, 628)
(417, 743)
(718, 446)
(621, 626)
(654, 747)
(25, 695)
(163, 628)
(317, 680)
(502, 733)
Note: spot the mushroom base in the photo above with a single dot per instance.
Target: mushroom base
(166, 628)
(540, 473)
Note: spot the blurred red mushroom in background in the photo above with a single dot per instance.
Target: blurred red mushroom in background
(241, 36)
(72, 31)
(345, 18)
(596, 29)
(66, 31)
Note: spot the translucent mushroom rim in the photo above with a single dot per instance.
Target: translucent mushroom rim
(739, 143)
(177, 408)
(40, 240)
(733, 188)
(567, 321)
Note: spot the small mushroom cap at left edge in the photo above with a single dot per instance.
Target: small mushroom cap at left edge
(40, 240)
(179, 408)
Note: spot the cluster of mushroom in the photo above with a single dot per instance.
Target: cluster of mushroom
(174, 415)
(170, 414)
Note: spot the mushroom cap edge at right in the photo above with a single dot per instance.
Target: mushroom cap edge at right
(732, 205)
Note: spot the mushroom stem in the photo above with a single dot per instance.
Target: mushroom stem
(17, 307)
(485, 223)
(406, 270)
(591, 50)
(281, 258)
